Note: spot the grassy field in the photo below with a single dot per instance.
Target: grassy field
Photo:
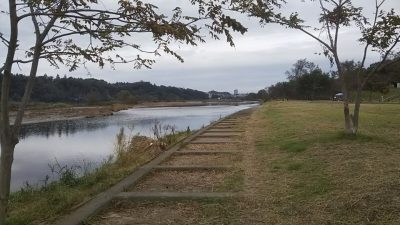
(310, 172)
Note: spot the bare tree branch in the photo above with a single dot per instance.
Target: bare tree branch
(316, 38)
(35, 63)
(324, 10)
(35, 23)
(4, 40)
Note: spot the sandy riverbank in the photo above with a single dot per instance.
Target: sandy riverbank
(69, 112)
(37, 115)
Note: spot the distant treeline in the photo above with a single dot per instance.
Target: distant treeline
(306, 81)
(78, 90)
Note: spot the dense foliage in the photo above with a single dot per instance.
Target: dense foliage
(306, 81)
(78, 90)
(386, 77)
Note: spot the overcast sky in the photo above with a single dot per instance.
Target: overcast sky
(259, 59)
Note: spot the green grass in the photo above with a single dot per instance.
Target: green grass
(295, 166)
(31, 205)
(218, 212)
(313, 181)
(233, 182)
(294, 146)
(319, 174)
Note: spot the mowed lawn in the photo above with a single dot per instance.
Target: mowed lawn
(310, 172)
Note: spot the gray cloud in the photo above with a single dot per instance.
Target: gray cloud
(259, 59)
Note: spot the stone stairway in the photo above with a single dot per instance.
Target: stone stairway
(196, 169)
(189, 173)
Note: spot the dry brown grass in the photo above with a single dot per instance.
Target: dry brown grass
(210, 147)
(148, 214)
(308, 172)
(183, 181)
(166, 213)
(203, 160)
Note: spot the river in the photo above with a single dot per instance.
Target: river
(91, 141)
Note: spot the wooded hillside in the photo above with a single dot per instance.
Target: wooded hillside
(78, 90)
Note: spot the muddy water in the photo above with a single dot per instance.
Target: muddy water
(87, 142)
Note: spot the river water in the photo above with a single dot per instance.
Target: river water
(91, 141)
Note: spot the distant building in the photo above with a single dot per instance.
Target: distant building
(219, 95)
(242, 95)
(236, 92)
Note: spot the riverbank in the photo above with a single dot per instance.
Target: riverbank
(56, 112)
(43, 204)
(298, 167)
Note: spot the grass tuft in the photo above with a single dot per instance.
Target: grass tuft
(294, 146)
(295, 166)
(233, 182)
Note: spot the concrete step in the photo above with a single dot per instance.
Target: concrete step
(221, 134)
(214, 141)
(154, 196)
(231, 120)
(223, 127)
(220, 130)
(209, 152)
(180, 168)
(228, 123)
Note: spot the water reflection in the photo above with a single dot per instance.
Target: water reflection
(60, 128)
(76, 142)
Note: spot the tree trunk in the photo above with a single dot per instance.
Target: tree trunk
(342, 77)
(7, 138)
(347, 116)
(356, 115)
(6, 160)
(357, 107)
(346, 108)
